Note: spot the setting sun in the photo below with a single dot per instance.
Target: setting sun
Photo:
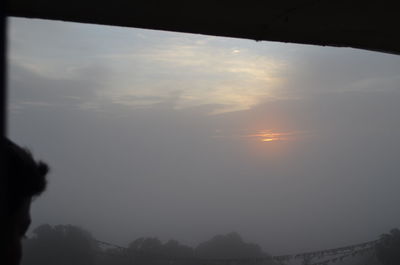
(268, 136)
(268, 140)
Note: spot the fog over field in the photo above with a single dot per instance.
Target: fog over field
(182, 136)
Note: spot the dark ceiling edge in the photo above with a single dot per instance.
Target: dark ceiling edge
(364, 41)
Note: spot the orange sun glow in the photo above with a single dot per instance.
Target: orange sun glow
(268, 136)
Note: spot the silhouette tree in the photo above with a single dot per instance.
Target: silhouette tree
(151, 250)
(61, 244)
(67, 245)
(388, 250)
(146, 247)
(228, 246)
(173, 249)
(112, 256)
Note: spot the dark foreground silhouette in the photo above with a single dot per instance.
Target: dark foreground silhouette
(24, 178)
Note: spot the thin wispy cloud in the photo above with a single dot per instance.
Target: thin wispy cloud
(204, 73)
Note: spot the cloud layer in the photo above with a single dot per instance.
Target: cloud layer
(160, 134)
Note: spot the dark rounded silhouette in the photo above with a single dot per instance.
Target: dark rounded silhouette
(24, 179)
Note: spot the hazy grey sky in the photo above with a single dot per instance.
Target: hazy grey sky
(182, 136)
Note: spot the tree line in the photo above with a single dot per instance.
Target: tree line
(68, 244)
(71, 245)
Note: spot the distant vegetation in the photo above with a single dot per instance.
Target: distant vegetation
(70, 245)
(388, 250)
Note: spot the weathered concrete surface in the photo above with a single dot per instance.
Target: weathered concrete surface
(369, 25)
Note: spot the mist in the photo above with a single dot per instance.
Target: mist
(181, 136)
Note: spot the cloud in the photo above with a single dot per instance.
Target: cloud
(132, 64)
(128, 122)
(317, 70)
(77, 87)
(204, 74)
(232, 84)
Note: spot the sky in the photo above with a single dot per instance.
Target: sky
(183, 136)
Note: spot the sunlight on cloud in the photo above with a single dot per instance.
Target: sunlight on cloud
(267, 135)
(143, 69)
(270, 136)
(204, 75)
